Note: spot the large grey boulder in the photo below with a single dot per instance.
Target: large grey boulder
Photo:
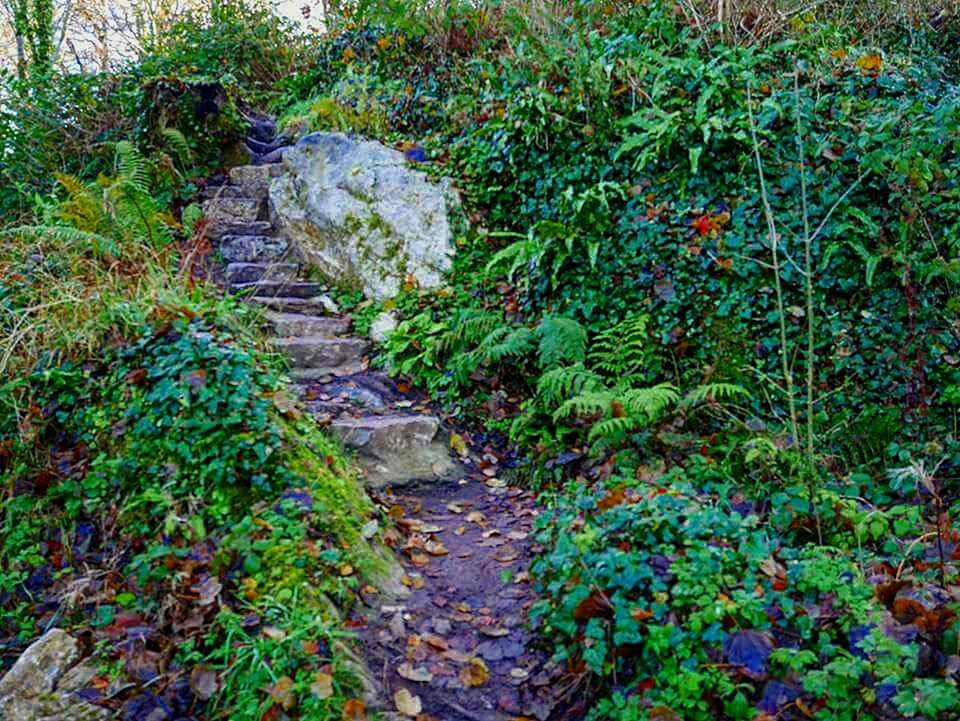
(41, 684)
(359, 212)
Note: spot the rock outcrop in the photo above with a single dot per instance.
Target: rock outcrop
(41, 685)
(360, 213)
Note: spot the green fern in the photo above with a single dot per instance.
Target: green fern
(623, 349)
(561, 383)
(561, 340)
(501, 344)
(131, 167)
(714, 392)
(468, 328)
(177, 142)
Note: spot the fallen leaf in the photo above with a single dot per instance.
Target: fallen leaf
(322, 686)
(438, 642)
(407, 703)
(274, 633)
(282, 693)
(354, 710)
(457, 444)
(494, 632)
(476, 517)
(474, 673)
(435, 548)
(596, 605)
(414, 673)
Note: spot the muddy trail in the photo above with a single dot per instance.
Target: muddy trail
(461, 644)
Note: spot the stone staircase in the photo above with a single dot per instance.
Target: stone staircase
(396, 439)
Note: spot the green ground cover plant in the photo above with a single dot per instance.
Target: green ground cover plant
(709, 291)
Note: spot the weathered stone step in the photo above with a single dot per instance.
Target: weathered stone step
(317, 304)
(326, 374)
(227, 228)
(254, 179)
(319, 352)
(232, 210)
(302, 289)
(340, 393)
(291, 324)
(230, 191)
(239, 273)
(253, 248)
(396, 449)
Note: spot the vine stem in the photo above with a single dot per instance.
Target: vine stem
(775, 265)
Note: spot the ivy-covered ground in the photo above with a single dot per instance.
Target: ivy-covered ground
(709, 295)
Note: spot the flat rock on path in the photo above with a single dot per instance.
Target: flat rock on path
(461, 641)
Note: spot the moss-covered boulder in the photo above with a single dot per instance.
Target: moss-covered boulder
(363, 215)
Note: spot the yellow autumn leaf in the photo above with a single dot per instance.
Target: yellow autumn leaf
(474, 673)
(407, 703)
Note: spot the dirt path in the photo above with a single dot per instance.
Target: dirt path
(461, 642)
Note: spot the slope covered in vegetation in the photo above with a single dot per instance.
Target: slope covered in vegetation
(709, 291)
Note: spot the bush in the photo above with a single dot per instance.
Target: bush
(690, 606)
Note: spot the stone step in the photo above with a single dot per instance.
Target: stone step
(302, 289)
(239, 273)
(227, 228)
(326, 374)
(292, 324)
(230, 191)
(232, 210)
(254, 179)
(253, 248)
(396, 449)
(340, 393)
(317, 304)
(319, 352)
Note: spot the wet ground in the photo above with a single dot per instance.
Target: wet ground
(461, 644)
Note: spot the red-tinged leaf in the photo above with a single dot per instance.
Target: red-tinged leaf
(354, 710)
(596, 605)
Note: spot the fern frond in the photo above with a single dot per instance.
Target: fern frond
(623, 348)
(714, 392)
(505, 343)
(561, 383)
(99, 244)
(611, 430)
(131, 166)
(561, 340)
(469, 327)
(178, 144)
(586, 404)
(647, 404)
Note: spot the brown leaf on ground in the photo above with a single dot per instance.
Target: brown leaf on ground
(414, 673)
(322, 686)
(282, 693)
(438, 642)
(354, 710)
(435, 548)
(474, 673)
